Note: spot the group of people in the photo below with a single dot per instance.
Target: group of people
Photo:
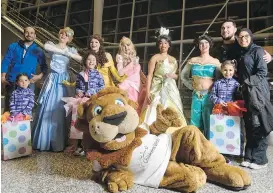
(241, 64)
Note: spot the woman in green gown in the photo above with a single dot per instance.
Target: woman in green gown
(161, 82)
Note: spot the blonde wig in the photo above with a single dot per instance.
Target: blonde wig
(68, 31)
(127, 57)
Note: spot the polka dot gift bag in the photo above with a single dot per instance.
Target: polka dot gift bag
(225, 134)
(16, 139)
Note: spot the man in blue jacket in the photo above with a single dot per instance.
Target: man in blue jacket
(22, 57)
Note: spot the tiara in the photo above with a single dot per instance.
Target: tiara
(164, 31)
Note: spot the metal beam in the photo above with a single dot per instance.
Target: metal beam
(190, 41)
(200, 24)
(132, 19)
(38, 2)
(247, 14)
(97, 20)
(59, 2)
(66, 18)
(263, 30)
(181, 37)
(182, 30)
(145, 67)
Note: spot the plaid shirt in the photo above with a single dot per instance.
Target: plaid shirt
(95, 83)
(223, 90)
(21, 101)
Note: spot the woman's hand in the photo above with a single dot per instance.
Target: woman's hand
(170, 75)
(119, 59)
(149, 98)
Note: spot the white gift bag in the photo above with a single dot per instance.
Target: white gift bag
(225, 133)
(16, 139)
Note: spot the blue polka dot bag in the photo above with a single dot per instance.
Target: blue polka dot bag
(16, 139)
(225, 134)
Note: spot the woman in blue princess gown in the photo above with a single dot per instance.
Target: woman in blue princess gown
(50, 125)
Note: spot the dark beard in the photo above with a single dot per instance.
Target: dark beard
(26, 40)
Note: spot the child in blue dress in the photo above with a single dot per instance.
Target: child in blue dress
(50, 127)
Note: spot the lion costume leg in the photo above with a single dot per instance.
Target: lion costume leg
(191, 147)
(183, 177)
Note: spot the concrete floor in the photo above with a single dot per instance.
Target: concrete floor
(55, 172)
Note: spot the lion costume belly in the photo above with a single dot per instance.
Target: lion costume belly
(150, 160)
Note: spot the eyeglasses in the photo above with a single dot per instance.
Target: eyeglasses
(245, 36)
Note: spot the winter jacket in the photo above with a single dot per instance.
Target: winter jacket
(15, 62)
(252, 71)
(21, 101)
(94, 85)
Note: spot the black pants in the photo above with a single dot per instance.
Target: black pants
(8, 91)
(256, 143)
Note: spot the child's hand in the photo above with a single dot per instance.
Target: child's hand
(224, 104)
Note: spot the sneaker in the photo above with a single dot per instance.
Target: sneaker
(78, 150)
(257, 166)
(79, 153)
(245, 164)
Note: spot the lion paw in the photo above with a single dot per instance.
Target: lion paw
(230, 176)
(119, 181)
(166, 118)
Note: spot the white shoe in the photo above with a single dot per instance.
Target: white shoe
(257, 166)
(245, 164)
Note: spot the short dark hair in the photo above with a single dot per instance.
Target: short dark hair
(19, 76)
(29, 27)
(165, 37)
(203, 37)
(229, 20)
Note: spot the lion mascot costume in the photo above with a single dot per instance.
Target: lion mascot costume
(124, 153)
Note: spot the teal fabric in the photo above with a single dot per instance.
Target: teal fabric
(201, 109)
(207, 70)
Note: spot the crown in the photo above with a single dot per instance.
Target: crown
(164, 31)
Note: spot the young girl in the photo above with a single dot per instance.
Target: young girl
(22, 99)
(224, 89)
(88, 83)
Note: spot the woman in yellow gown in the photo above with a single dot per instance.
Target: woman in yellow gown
(161, 82)
(105, 62)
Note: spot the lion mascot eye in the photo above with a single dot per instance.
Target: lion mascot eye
(119, 102)
(97, 110)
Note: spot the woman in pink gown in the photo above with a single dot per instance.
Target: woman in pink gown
(128, 64)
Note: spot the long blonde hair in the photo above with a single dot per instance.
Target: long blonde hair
(126, 57)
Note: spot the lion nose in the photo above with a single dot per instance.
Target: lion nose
(115, 119)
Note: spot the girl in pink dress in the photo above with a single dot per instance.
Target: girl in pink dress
(128, 64)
